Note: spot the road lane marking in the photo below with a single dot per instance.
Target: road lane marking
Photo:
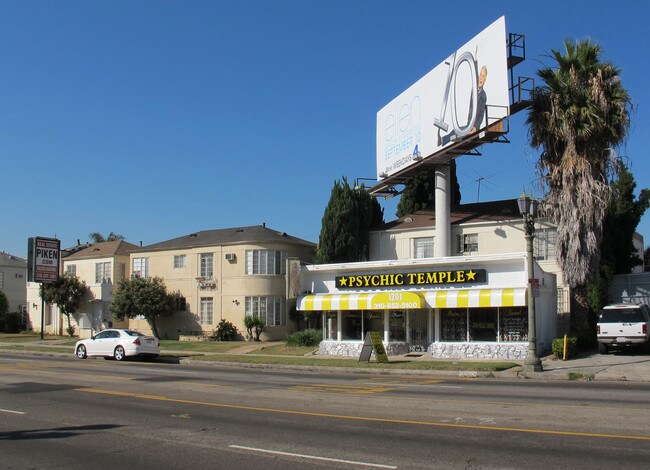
(312, 457)
(13, 412)
(359, 418)
(347, 389)
(198, 384)
(402, 380)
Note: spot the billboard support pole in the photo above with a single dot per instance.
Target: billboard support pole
(442, 246)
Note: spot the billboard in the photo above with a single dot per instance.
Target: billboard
(460, 97)
(43, 255)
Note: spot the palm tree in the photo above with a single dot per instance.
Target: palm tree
(578, 116)
(97, 237)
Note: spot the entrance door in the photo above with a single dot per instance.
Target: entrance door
(418, 325)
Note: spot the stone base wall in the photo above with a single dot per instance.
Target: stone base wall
(353, 348)
(511, 351)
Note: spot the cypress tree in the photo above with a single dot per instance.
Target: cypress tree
(419, 192)
(349, 216)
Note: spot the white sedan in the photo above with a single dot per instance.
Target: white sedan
(117, 343)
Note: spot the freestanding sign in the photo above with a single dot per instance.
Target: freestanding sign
(43, 257)
(372, 343)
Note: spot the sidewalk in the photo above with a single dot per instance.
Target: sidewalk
(624, 366)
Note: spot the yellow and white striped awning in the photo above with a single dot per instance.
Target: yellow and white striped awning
(361, 301)
(454, 298)
(474, 298)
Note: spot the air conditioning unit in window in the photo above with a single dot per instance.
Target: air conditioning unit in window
(231, 256)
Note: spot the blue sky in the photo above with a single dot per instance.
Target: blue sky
(155, 119)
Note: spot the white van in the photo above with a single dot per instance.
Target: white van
(623, 325)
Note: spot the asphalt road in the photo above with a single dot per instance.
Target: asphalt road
(66, 413)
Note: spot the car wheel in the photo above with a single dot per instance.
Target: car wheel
(118, 354)
(81, 352)
(602, 348)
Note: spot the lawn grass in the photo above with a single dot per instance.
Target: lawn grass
(200, 346)
(353, 363)
(284, 350)
(30, 337)
(274, 353)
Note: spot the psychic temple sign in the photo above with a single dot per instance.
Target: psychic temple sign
(425, 278)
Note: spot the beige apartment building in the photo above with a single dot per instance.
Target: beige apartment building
(223, 274)
(101, 266)
(13, 275)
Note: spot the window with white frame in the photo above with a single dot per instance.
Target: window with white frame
(423, 247)
(544, 244)
(71, 269)
(468, 243)
(206, 310)
(206, 265)
(180, 261)
(121, 271)
(266, 262)
(140, 267)
(271, 309)
(103, 273)
(562, 300)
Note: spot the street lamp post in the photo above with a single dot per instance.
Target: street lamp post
(528, 210)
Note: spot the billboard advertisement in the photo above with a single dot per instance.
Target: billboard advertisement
(461, 96)
(43, 259)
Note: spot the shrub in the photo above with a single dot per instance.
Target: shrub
(558, 347)
(249, 323)
(259, 326)
(225, 331)
(310, 337)
(11, 322)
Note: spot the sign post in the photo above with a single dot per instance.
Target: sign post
(43, 261)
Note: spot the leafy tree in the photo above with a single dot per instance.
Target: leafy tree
(623, 215)
(67, 293)
(578, 114)
(4, 311)
(143, 296)
(345, 232)
(419, 192)
(4, 304)
(97, 237)
(618, 255)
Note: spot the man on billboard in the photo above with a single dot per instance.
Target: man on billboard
(482, 101)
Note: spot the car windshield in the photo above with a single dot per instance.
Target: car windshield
(621, 315)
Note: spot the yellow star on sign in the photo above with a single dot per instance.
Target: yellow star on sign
(471, 275)
(343, 281)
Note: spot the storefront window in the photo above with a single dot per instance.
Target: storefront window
(513, 324)
(352, 325)
(483, 324)
(330, 326)
(373, 321)
(453, 324)
(397, 326)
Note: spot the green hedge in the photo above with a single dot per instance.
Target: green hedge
(558, 347)
(310, 337)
